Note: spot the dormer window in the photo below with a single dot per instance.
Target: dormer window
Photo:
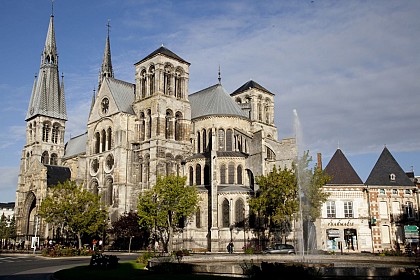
(392, 177)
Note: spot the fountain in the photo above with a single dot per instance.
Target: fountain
(300, 246)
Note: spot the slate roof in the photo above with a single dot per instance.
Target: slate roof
(214, 100)
(76, 146)
(123, 94)
(386, 165)
(341, 171)
(164, 51)
(248, 85)
(57, 174)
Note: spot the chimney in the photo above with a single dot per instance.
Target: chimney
(319, 161)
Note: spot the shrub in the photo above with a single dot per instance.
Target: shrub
(103, 261)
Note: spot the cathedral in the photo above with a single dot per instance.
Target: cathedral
(138, 131)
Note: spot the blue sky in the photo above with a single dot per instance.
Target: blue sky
(350, 69)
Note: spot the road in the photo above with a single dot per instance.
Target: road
(35, 267)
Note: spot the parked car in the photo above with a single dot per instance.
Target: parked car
(280, 249)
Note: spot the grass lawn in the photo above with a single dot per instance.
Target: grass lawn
(127, 270)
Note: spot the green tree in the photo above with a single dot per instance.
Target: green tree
(275, 201)
(283, 193)
(164, 208)
(3, 230)
(311, 182)
(75, 208)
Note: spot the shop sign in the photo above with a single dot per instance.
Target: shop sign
(333, 233)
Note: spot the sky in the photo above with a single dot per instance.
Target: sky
(345, 74)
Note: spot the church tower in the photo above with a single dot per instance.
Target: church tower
(163, 114)
(44, 148)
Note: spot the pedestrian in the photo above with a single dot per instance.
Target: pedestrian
(230, 247)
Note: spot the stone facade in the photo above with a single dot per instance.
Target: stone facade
(136, 132)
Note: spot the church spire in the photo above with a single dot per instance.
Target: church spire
(106, 69)
(48, 96)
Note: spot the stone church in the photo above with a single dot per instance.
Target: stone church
(137, 131)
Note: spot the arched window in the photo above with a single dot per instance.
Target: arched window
(198, 218)
(229, 135)
(178, 131)
(143, 83)
(149, 124)
(45, 132)
(142, 126)
(225, 214)
(167, 90)
(223, 174)
(239, 175)
(103, 140)
(54, 136)
(168, 125)
(54, 159)
(109, 138)
(191, 173)
(198, 174)
(221, 140)
(231, 173)
(45, 158)
(239, 213)
(151, 80)
(198, 142)
(97, 142)
(109, 191)
(178, 84)
(95, 189)
(204, 141)
(206, 174)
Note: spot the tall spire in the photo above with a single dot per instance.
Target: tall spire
(48, 95)
(106, 69)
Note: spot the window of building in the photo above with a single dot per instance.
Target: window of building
(45, 132)
(54, 159)
(229, 140)
(225, 213)
(409, 210)
(198, 174)
(191, 172)
(381, 191)
(348, 209)
(54, 136)
(239, 175)
(45, 158)
(221, 140)
(383, 210)
(385, 235)
(239, 213)
(392, 177)
(331, 209)
(407, 192)
(231, 173)
(223, 174)
(198, 218)
(394, 191)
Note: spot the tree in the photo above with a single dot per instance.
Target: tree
(312, 197)
(3, 230)
(71, 206)
(282, 191)
(127, 227)
(164, 208)
(276, 199)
